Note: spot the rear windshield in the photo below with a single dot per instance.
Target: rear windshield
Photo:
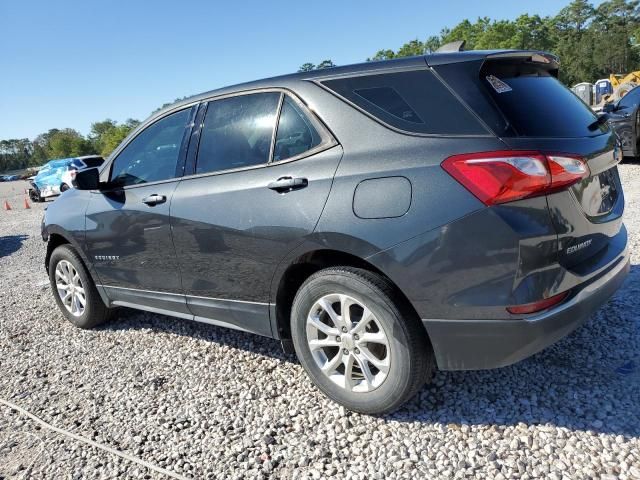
(413, 101)
(538, 105)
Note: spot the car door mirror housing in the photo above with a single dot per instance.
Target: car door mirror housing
(87, 179)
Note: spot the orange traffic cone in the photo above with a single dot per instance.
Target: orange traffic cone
(26, 204)
(6, 205)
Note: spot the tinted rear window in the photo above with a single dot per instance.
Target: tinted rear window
(538, 105)
(413, 101)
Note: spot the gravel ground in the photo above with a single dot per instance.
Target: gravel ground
(207, 402)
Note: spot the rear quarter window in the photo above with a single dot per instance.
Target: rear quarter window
(413, 101)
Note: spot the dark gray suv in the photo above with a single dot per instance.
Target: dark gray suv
(455, 210)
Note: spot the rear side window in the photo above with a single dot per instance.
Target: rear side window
(413, 101)
(390, 101)
(237, 132)
(296, 134)
(538, 105)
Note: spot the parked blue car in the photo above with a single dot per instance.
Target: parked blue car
(56, 175)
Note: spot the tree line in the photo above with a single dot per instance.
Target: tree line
(592, 42)
(105, 136)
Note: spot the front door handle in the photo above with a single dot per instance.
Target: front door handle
(154, 199)
(287, 184)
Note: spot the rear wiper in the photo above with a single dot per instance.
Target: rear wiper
(602, 118)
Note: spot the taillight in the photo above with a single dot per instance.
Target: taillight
(537, 306)
(505, 176)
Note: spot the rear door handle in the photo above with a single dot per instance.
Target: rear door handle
(154, 199)
(287, 184)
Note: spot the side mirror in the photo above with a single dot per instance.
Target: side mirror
(608, 107)
(87, 179)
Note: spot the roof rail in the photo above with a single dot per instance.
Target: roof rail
(457, 46)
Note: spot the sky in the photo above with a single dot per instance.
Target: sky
(67, 64)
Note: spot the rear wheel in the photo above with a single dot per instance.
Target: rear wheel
(64, 187)
(357, 342)
(74, 290)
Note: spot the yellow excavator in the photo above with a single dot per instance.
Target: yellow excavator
(621, 85)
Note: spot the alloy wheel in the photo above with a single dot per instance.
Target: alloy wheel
(348, 343)
(70, 288)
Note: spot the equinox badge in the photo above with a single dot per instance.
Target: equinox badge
(579, 246)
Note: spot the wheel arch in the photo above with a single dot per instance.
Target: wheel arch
(57, 236)
(302, 268)
(54, 241)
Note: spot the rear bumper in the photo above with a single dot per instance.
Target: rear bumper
(484, 344)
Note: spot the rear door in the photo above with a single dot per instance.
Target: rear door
(253, 195)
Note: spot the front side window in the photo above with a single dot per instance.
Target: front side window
(237, 132)
(296, 134)
(153, 155)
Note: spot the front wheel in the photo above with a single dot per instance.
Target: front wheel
(74, 290)
(34, 195)
(357, 342)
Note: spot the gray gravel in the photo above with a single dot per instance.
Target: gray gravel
(208, 402)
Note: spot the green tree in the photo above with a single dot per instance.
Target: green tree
(614, 29)
(107, 134)
(575, 42)
(68, 143)
(432, 44)
(382, 55)
(164, 105)
(325, 64)
(409, 49)
(467, 31)
(309, 67)
(533, 33)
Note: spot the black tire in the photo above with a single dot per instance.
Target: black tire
(64, 187)
(34, 195)
(411, 359)
(95, 311)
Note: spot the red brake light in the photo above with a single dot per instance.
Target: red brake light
(537, 306)
(505, 176)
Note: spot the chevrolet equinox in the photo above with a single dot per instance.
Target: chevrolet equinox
(458, 210)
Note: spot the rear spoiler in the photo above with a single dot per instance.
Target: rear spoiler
(545, 60)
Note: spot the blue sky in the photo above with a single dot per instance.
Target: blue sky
(69, 63)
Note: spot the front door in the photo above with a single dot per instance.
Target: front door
(253, 197)
(128, 232)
